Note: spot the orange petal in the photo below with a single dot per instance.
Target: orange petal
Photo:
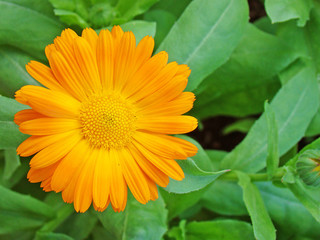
(55, 151)
(134, 177)
(44, 75)
(168, 124)
(105, 59)
(34, 144)
(51, 103)
(160, 146)
(41, 174)
(26, 115)
(48, 126)
(102, 179)
(143, 52)
(168, 166)
(91, 36)
(118, 189)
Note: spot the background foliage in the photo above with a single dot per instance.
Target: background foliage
(236, 65)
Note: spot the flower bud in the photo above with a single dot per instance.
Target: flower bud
(308, 167)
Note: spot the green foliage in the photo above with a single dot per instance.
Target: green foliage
(262, 189)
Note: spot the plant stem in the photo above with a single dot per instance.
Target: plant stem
(255, 177)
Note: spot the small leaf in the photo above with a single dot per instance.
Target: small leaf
(71, 18)
(273, 148)
(262, 225)
(219, 229)
(138, 221)
(195, 178)
(52, 236)
(282, 10)
(9, 107)
(10, 132)
(20, 212)
(242, 126)
(12, 162)
(129, 9)
(206, 42)
(28, 35)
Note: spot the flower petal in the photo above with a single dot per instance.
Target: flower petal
(48, 126)
(26, 115)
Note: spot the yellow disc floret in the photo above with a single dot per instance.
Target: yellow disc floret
(108, 121)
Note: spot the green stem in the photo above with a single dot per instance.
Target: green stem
(62, 215)
(255, 177)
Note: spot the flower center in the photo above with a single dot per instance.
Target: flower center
(108, 121)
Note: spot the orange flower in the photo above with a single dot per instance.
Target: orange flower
(103, 121)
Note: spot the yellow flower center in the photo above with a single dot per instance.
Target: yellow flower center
(108, 121)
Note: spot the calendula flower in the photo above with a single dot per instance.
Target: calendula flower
(102, 123)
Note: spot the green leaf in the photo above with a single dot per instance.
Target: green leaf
(207, 32)
(32, 29)
(241, 85)
(129, 9)
(78, 226)
(242, 126)
(262, 224)
(314, 127)
(283, 10)
(215, 157)
(287, 212)
(9, 107)
(12, 162)
(20, 212)
(52, 236)
(138, 221)
(219, 229)
(71, 18)
(10, 132)
(13, 74)
(306, 197)
(294, 106)
(195, 178)
(273, 148)
(232, 204)
(164, 20)
(178, 233)
(177, 203)
(284, 208)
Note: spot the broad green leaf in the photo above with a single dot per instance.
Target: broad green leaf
(10, 135)
(284, 208)
(9, 107)
(216, 156)
(195, 178)
(12, 162)
(242, 126)
(306, 197)
(232, 204)
(138, 221)
(139, 28)
(78, 226)
(283, 10)
(287, 212)
(314, 127)
(16, 176)
(264, 24)
(13, 74)
(294, 106)
(261, 222)
(273, 149)
(32, 29)
(207, 32)
(129, 9)
(164, 20)
(304, 40)
(52, 236)
(174, 7)
(258, 58)
(177, 203)
(19, 212)
(219, 229)
(236, 103)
